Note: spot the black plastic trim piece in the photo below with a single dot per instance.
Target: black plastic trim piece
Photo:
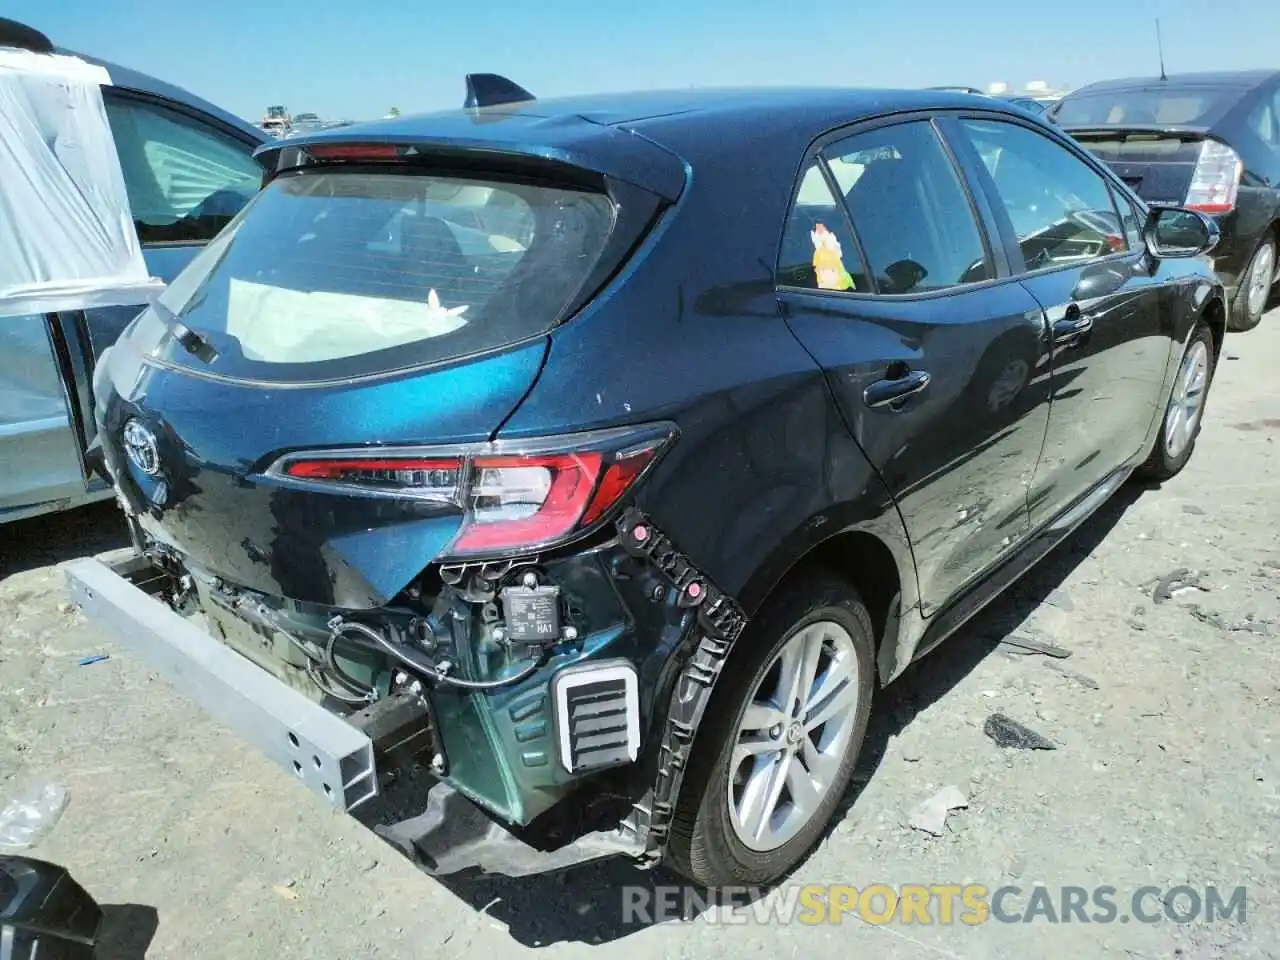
(493, 89)
(720, 622)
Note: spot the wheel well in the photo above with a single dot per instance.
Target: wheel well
(865, 562)
(1215, 315)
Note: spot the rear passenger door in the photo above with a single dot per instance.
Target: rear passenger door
(1082, 258)
(936, 358)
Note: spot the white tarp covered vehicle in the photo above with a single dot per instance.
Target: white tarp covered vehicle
(66, 235)
(110, 182)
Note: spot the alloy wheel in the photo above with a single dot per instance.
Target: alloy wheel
(1187, 402)
(1260, 279)
(793, 735)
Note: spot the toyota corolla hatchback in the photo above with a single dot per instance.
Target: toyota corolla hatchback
(603, 456)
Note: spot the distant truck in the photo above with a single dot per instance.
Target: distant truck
(277, 122)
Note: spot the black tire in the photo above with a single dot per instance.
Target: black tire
(1160, 466)
(703, 845)
(1242, 318)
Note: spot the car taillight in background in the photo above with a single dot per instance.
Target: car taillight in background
(1216, 180)
(515, 495)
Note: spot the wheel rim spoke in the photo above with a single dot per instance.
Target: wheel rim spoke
(790, 662)
(762, 715)
(806, 795)
(803, 666)
(760, 798)
(1260, 281)
(822, 766)
(1172, 428)
(837, 694)
(753, 747)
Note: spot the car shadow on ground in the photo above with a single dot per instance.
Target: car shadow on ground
(588, 903)
(126, 932)
(58, 537)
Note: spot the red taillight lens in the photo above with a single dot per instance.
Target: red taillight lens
(516, 501)
(394, 473)
(618, 478)
(354, 151)
(1215, 183)
(515, 496)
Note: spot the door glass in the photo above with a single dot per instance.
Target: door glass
(909, 209)
(185, 179)
(1060, 208)
(1265, 121)
(817, 251)
(1131, 218)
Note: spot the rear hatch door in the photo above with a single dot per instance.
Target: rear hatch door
(1149, 132)
(351, 305)
(1156, 164)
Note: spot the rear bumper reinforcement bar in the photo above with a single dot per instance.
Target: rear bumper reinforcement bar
(334, 759)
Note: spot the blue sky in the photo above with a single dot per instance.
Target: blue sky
(357, 58)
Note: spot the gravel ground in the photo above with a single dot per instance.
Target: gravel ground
(1167, 769)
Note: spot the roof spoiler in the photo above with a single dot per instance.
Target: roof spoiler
(492, 89)
(15, 34)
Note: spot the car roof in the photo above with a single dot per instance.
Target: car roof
(1242, 79)
(676, 127)
(127, 79)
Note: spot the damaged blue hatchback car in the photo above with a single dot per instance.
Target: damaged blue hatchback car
(603, 456)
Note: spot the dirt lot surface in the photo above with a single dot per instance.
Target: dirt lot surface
(1166, 772)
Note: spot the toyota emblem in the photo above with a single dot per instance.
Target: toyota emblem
(141, 448)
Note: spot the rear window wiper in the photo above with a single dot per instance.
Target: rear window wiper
(194, 343)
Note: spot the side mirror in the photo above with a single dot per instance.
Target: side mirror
(1177, 233)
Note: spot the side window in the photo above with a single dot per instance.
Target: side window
(817, 250)
(1264, 120)
(185, 179)
(909, 209)
(1062, 210)
(1130, 217)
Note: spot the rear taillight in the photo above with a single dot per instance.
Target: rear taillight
(514, 495)
(1216, 180)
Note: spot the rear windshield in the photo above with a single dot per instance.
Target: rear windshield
(337, 274)
(1150, 106)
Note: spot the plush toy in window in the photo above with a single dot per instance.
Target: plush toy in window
(828, 262)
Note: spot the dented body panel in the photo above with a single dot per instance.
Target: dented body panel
(218, 437)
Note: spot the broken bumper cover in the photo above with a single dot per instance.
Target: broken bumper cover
(695, 622)
(334, 759)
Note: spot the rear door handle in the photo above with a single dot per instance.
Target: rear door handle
(884, 393)
(1071, 326)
